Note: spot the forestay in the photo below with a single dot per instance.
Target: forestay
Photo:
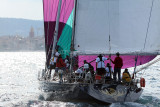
(126, 22)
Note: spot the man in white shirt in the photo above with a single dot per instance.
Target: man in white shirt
(86, 66)
(78, 72)
(100, 65)
(53, 63)
(54, 58)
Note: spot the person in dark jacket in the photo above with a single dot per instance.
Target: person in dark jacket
(59, 65)
(60, 68)
(126, 77)
(118, 63)
(91, 68)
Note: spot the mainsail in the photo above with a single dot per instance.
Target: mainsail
(131, 27)
(129, 23)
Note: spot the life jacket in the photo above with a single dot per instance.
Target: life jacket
(126, 77)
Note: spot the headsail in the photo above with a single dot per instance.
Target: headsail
(126, 20)
(50, 13)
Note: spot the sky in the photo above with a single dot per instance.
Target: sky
(26, 9)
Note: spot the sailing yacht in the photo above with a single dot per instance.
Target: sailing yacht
(82, 29)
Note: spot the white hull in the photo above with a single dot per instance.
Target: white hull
(114, 93)
(105, 93)
(65, 91)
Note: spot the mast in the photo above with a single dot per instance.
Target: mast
(73, 34)
(56, 28)
(73, 30)
(109, 34)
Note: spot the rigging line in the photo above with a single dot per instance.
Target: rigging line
(109, 32)
(147, 31)
(148, 24)
(109, 16)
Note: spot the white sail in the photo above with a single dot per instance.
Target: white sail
(126, 21)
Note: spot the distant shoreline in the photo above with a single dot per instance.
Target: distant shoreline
(19, 43)
(19, 26)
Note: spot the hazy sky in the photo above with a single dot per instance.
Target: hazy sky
(27, 9)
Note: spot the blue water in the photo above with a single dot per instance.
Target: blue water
(19, 84)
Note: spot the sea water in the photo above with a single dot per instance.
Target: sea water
(19, 84)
